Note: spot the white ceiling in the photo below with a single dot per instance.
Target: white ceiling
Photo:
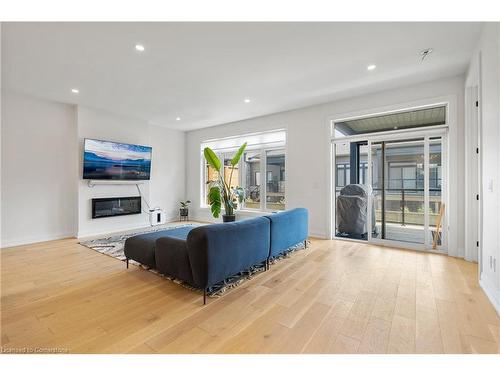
(202, 72)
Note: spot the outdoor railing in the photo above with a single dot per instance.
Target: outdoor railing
(405, 196)
(403, 193)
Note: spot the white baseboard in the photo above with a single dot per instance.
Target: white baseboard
(489, 290)
(34, 239)
(92, 235)
(318, 235)
(58, 236)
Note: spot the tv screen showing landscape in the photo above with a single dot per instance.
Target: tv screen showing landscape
(105, 160)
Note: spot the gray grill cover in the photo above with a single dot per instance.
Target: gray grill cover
(352, 210)
(356, 190)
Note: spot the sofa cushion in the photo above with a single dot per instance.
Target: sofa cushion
(288, 228)
(172, 259)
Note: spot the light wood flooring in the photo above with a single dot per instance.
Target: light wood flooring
(335, 297)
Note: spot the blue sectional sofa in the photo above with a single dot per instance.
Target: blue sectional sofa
(207, 255)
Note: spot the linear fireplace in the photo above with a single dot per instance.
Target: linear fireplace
(106, 207)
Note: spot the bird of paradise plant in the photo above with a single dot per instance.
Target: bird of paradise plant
(220, 192)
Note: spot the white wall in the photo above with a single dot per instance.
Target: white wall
(485, 71)
(167, 184)
(38, 170)
(168, 172)
(43, 196)
(308, 151)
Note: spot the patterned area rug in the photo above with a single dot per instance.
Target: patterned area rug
(113, 246)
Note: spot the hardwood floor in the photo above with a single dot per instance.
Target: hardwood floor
(335, 297)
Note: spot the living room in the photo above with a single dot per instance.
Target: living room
(250, 187)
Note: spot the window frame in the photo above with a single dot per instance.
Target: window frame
(242, 173)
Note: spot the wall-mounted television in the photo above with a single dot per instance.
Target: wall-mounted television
(106, 160)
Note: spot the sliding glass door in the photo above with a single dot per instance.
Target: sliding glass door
(400, 189)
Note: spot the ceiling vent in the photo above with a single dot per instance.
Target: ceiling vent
(425, 53)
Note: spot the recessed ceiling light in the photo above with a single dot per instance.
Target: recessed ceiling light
(75, 91)
(246, 100)
(371, 67)
(139, 48)
(177, 119)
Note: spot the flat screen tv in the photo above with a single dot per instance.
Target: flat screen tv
(105, 160)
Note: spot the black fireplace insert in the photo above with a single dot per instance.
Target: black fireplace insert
(106, 207)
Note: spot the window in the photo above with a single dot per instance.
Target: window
(231, 172)
(275, 187)
(260, 172)
(435, 176)
(211, 174)
(343, 175)
(251, 184)
(274, 170)
(395, 175)
(407, 176)
(343, 155)
(269, 176)
(416, 118)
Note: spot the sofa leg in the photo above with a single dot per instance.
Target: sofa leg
(205, 296)
(127, 263)
(305, 244)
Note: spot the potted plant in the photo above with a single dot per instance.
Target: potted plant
(220, 193)
(184, 210)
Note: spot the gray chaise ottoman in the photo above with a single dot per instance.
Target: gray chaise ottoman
(142, 247)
